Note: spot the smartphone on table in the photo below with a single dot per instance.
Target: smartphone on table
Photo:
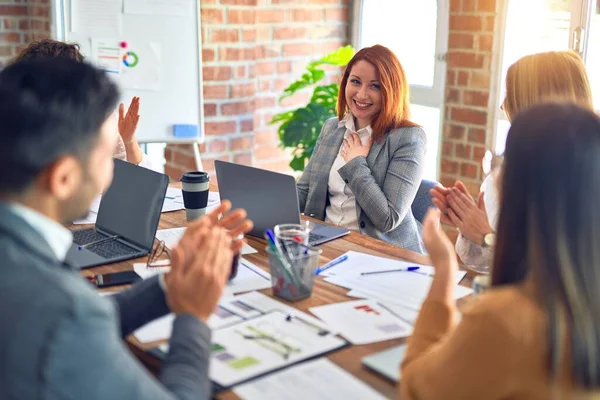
(114, 279)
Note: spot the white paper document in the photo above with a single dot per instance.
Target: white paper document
(106, 54)
(363, 321)
(318, 379)
(158, 7)
(141, 66)
(172, 236)
(96, 17)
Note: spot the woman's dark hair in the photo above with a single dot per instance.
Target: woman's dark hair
(549, 228)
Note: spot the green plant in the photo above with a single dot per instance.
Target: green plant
(300, 128)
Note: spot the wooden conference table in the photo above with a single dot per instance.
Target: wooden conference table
(323, 293)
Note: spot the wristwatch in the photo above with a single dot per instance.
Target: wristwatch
(489, 239)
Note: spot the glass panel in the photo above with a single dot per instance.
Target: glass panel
(429, 119)
(532, 26)
(592, 59)
(408, 28)
(502, 128)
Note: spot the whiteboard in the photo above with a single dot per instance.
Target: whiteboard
(158, 58)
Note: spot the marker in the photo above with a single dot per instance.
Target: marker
(409, 269)
(332, 263)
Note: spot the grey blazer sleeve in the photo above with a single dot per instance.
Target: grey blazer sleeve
(387, 206)
(86, 359)
(303, 183)
(142, 303)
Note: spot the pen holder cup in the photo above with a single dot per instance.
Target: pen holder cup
(292, 278)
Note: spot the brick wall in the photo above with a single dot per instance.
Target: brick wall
(470, 76)
(252, 49)
(20, 22)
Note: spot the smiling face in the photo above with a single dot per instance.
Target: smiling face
(363, 93)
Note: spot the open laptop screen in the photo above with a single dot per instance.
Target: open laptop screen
(132, 204)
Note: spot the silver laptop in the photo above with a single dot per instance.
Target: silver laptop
(269, 198)
(387, 362)
(127, 218)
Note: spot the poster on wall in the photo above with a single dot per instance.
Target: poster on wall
(96, 17)
(157, 7)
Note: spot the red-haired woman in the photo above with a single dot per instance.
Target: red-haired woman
(367, 163)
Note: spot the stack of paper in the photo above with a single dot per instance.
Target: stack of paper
(172, 236)
(402, 291)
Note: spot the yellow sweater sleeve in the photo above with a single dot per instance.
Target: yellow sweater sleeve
(466, 362)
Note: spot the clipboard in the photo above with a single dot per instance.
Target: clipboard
(262, 345)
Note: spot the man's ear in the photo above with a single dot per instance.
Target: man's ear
(64, 176)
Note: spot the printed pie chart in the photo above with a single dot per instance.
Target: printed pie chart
(130, 59)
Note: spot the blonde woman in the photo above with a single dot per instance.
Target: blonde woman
(536, 333)
(532, 80)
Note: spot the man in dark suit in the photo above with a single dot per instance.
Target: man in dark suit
(59, 339)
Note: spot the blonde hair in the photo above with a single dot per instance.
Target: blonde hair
(554, 76)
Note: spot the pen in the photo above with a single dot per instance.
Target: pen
(332, 263)
(391, 270)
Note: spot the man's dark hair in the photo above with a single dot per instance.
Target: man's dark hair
(49, 108)
(49, 48)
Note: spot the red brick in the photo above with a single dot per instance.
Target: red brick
(268, 152)
(455, 6)
(265, 68)
(265, 102)
(39, 11)
(280, 83)
(469, 5)
(235, 54)
(461, 41)
(480, 80)
(217, 146)
(298, 98)
(23, 24)
(463, 151)
(263, 34)
(462, 59)
(264, 85)
(465, 23)
(270, 16)
(452, 96)
(13, 10)
(212, 92)
(474, 98)
(486, 6)
(237, 108)
(220, 128)
(286, 33)
(12, 23)
(447, 149)
(206, 2)
(216, 73)
(246, 125)
(486, 42)
(243, 158)
(249, 34)
(336, 14)
(10, 37)
(469, 170)
(328, 32)
(476, 135)
(210, 110)
(298, 49)
(306, 15)
(238, 2)
(6, 51)
(283, 1)
(284, 67)
(224, 35)
(489, 23)
(243, 90)
(208, 55)
(209, 163)
(326, 48)
(266, 136)
(463, 78)
(211, 16)
(242, 143)
(241, 72)
(236, 16)
(450, 77)
(282, 167)
(268, 51)
(469, 116)
(478, 153)
(173, 172)
(449, 166)
(455, 131)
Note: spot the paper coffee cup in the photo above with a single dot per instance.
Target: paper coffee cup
(194, 186)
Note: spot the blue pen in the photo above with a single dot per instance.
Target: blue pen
(408, 269)
(332, 263)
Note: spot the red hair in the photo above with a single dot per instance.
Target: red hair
(395, 112)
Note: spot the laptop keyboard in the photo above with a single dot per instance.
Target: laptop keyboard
(108, 249)
(313, 237)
